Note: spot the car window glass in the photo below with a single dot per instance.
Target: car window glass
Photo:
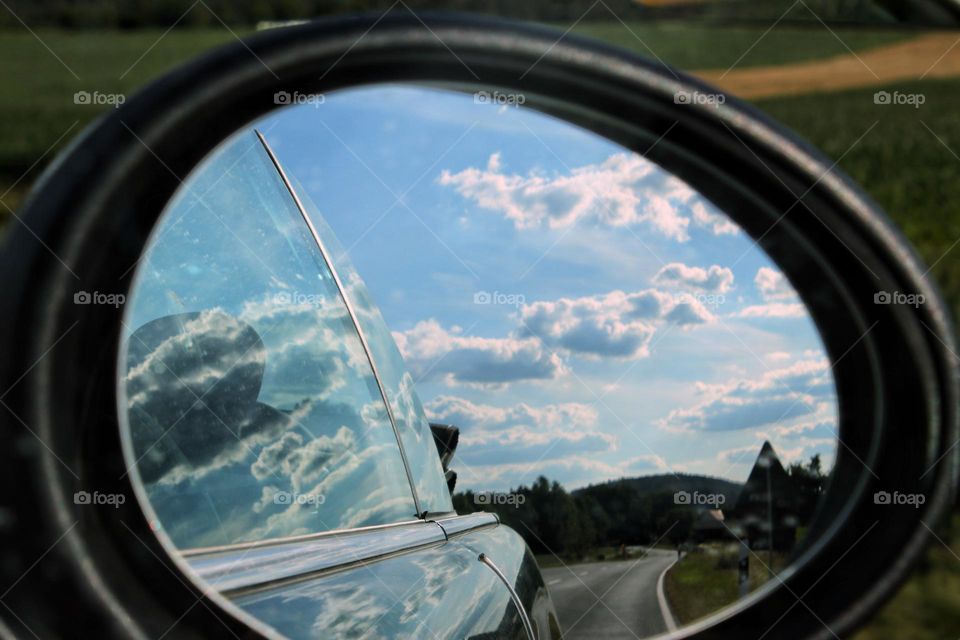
(398, 383)
(253, 411)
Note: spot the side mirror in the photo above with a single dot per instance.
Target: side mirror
(446, 436)
(89, 219)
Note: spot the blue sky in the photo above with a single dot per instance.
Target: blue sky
(576, 310)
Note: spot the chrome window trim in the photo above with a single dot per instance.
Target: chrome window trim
(521, 610)
(236, 571)
(242, 568)
(305, 537)
(353, 318)
(456, 526)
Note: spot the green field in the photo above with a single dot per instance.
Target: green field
(705, 580)
(710, 47)
(927, 607)
(900, 162)
(909, 162)
(37, 105)
(37, 102)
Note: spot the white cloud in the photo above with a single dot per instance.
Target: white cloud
(715, 279)
(571, 471)
(815, 429)
(778, 396)
(521, 432)
(779, 298)
(774, 310)
(431, 350)
(772, 285)
(718, 223)
(625, 189)
(737, 456)
(787, 451)
(612, 325)
(465, 413)
(615, 324)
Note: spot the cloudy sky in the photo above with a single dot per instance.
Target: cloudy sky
(576, 310)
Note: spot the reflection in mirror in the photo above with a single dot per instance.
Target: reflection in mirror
(641, 397)
(253, 412)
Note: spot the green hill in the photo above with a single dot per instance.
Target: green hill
(668, 483)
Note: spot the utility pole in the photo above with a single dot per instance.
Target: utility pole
(769, 522)
(743, 575)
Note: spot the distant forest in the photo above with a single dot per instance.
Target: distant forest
(630, 511)
(133, 14)
(137, 14)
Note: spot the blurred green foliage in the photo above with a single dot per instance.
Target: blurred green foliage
(909, 161)
(705, 579)
(132, 14)
(927, 607)
(43, 70)
(38, 113)
(703, 46)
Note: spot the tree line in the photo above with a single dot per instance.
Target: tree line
(138, 14)
(134, 14)
(629, 511)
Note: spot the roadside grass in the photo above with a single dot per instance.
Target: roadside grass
(705, 580)
(37, 105)
(927, 607)
(37, 102)
(909, 162)
(700, 46)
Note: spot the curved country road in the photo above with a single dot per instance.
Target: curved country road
(613, 599)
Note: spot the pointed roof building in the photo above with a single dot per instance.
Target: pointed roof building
(768, 498)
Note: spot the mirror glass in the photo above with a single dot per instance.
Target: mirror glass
(641, 397)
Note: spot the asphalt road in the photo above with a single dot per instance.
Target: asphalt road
(614, 599)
